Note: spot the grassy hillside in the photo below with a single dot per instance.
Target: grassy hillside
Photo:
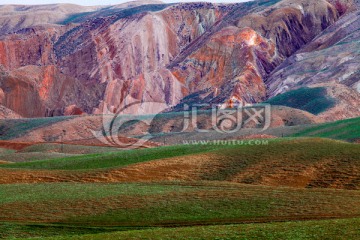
(68, 148)
(208, 186)
(16, 157)
(126, 206)
(114, 159)
(284, 157)
(282, 162)
(348, 130)
(313, 100)
(345, 229)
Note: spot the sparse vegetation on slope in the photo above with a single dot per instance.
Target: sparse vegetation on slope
(15, 157)
(18, 127)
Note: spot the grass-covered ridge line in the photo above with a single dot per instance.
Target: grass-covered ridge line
(116, 159)
(313, 100)
(304, 152)
(68, 148)
(10, 193)
(341, 229)
(116, 206)
(16, 157)
(10, 230)
(348, 130)
(234, 158)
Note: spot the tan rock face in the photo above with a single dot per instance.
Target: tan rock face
(2, 96)
(130, 60)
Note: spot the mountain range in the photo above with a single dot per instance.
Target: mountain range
(66, 59)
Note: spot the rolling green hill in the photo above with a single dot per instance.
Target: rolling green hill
(348, 130)
(302, 162)
(345, 229)
(114, 207)
(112, 159)
(313, 100)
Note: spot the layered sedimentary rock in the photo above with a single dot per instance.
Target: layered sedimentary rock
(229, 67)
(104, 60)
(130, 54)
(333, 56)
(331, 60)
(36, 91)
(292, 24)
(233, 64)
(29, 46)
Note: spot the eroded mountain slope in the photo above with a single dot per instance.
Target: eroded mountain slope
(159, 53)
